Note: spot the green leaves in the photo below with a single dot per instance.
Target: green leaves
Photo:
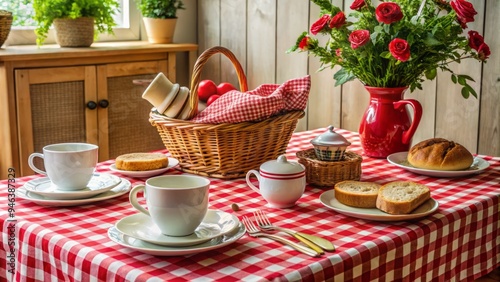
(160, 9)
(467, 90)
(342, 76)
(435, 40)
(47, 10)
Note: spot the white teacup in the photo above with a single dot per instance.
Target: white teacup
(281, 183)
(177, 204)
(69, 166)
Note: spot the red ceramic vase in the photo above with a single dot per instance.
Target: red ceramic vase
(386, 126)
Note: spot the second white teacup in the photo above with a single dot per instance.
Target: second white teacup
(69, 166)
(177, 204)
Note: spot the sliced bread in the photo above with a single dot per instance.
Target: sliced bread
(402, 197)
(141, 161)
(357, 193)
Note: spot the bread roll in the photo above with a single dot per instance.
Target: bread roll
(356, 193)
(141, 161)
(440, 154)
(402, 197)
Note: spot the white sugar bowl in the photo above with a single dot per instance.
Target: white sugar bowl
(281, 183)
(330, 146)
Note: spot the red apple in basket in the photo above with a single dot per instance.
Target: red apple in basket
(224, 87)
(206, 88)
(212, 98)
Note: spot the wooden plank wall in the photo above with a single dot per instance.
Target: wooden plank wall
(260, 31)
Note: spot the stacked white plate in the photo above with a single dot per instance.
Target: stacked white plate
(101, 187)
(138, 232)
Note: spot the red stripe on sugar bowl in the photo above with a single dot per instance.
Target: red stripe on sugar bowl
(282, 176)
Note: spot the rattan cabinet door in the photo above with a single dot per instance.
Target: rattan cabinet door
(124, 125)
(52, 108)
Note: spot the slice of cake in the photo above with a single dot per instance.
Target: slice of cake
(141, 161)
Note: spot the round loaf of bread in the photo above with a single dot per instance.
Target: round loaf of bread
(440, 154)
(357, 193)
(141, 161)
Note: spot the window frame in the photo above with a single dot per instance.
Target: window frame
(131, 29)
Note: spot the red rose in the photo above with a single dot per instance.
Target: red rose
(475, 39)
(484, 51)
(357, 4)
(465, 11)
(359, 38)
(338, 20)
(319, 24)
(400, 49)
(304, 44)
(388, 13)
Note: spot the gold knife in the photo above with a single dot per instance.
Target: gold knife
(321, 242)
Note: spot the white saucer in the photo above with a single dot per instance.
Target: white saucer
(148, 173)
(100, 183)
(141, 226)
(157, 250)
(400, 160)
(328, 199)
(120, 189)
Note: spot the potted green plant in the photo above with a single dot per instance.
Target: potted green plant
(160, 18)
(74, 20)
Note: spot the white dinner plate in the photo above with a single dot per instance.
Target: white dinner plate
(100, 183)
(120, 189)
(148, 173)
(328, 199)
(400, 160)
(157, 250)
(141, 226)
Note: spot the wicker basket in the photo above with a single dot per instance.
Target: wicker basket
(327, 173)
(77, 32)
(224, 150)
(5, 25)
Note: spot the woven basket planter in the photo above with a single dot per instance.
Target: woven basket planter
(77, 32)
(327, 173)
(5, 25)
(224, 151)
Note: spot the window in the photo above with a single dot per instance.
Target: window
(22, 31)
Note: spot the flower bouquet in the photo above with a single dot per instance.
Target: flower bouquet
(395, 44)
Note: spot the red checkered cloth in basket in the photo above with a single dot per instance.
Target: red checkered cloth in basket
(263, 102)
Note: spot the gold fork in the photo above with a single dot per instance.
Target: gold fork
(312, 241)
(253, 231)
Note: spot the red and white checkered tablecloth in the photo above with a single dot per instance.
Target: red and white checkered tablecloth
(459, 242)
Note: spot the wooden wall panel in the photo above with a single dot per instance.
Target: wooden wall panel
(261, 42)
(233, 25)
(209, 34)
(271, 26)
(290, 22)
(324, 104)
(489, 120)
(457, 118)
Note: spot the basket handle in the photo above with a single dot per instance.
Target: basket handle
(198, 66)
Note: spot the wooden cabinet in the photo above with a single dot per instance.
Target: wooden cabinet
(80, 95)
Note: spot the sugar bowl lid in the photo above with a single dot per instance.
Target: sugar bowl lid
(282, 166)
(330, 138)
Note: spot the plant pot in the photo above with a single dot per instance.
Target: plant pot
(160, 30)
(386, 127)
(5, 25)
(77, 32)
